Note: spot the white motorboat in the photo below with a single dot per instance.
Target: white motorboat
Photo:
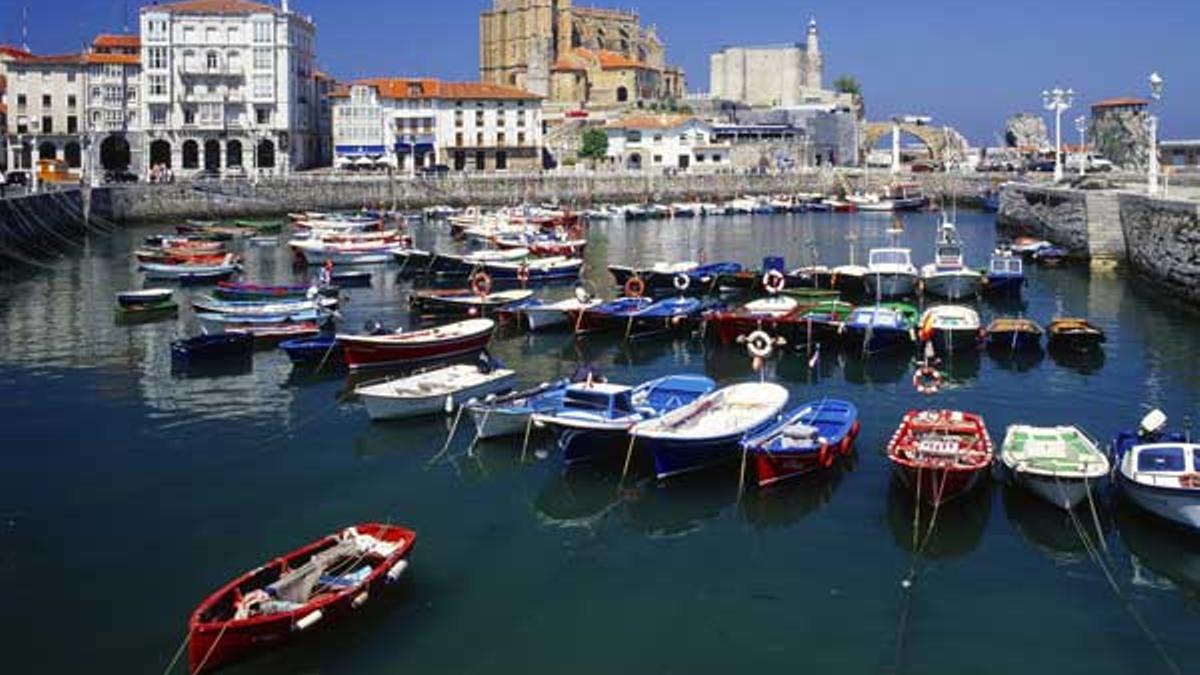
(543, 317)
(428, 393)
(890, 273)
(948, 275)
(318, 252)
(1059, 464)
(951, 327)
(1159, 470)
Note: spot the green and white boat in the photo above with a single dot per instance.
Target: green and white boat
(1058, 464)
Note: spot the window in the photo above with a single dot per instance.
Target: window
(658, 159)
(262, 58)
(232, 34)
(262, 31)
(658, 138)
(480, 161)
(210, 113)
(156, 58)
(189, 116)
(71, 101)
(72, 124)
(521, 138)
(71, 76)
(501, 161)
(500, 138)
(479, 139)
(158, 115)
(210, 35)
(458, 118)
(262, 115)
(47, 125)
(211, 61)
(458, 139)
(22, 125)
(262, 86)
(633, 136)
(20, 102)
(158, 85)
(189, 34)
(47, 101)
(235, 62)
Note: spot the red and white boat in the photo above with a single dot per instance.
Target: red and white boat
(941, 454)
(291, 596)
(443, 342)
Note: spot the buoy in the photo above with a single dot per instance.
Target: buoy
(635, 287)
(305, 622)
(449, 406)
(482, 284)
(759, 344)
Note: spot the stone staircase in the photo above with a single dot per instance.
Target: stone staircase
(1105, 237)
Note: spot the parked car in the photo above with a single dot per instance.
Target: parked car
(1042, 165)
(1092, 163)
(17, 178)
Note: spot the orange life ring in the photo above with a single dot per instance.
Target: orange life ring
(523, 273)
(927, 380)
(1190, 480)
(482, 284)
(635, 287)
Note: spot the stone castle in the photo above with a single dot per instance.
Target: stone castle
(775, 76)
(575, 55)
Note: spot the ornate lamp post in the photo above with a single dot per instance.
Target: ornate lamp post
(1156, 87)
(1058, 101)
(1081, 127)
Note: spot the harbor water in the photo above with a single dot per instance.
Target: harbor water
(129, 492)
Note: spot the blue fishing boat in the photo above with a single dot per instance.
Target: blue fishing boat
(682, 277)
(1159, 470)
(594, 420)
(613, 315)
(208, 348)
(881, 327)
(709, 430)
(1005, 274)
(319, 349)
(804, 440)
(665, 316)
(303, 316)
(535, 271)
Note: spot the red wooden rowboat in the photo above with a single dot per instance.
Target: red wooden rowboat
(443, 342)
(294, 595)
(940, 454)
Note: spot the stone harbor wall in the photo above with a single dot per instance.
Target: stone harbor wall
(1163, 239)
(36, 228)
(1055, 214)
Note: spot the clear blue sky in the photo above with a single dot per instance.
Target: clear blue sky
(966, 63)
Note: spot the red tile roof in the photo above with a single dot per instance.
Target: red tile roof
(108, 41)
(52, 59)
(1120, 102)
(580, 57)
(125, 59)
(401, 88)
(16, 52)
(213, 7)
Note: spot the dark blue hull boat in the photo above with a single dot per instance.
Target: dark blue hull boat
(323, 348)
(209, 348)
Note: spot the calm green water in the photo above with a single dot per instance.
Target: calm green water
(127, 495)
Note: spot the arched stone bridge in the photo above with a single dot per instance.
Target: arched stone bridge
(934, 138)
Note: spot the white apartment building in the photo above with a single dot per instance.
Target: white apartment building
(229, 88)
(665, 142)
(406, 123)
(45, 109)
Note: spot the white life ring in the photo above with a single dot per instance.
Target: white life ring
(928, 380)
(774, 281)
(760, 344)
(682, 281)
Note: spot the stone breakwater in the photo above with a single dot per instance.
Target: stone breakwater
(150, 203)
(42, 227)
(1158, 238)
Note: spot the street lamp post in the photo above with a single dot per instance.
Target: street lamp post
(1156, 87)
(1058, 101)
(1081, 127)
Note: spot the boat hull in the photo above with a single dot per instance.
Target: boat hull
(890, 285)
(876, 339)
(1063, 492)
(360, 355)
(1176, 505)
(391, 408)
(936, 486)
(592, 443)
(953, 286)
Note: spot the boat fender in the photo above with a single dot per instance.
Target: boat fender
(449, 406)
(396, 571)
(523, 273)
(482, 284)
(825, 456)
(774, 281)
(360, 600)
(583, 294)
(759, 344)
(635, 287)
(927, 380)
(682, 281)
(309, 620)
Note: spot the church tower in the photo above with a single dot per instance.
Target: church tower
(814, 64)
(515, 31)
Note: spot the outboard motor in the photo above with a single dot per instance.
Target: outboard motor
(1152, 423)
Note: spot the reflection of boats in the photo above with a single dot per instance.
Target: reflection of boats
(282, 600)
(577, 498)
(957, 531)
(706, 432)
(782, 504)
(1059, 464)
(1159, 470)
(1160, 547)
(434, 391)
(883, 368)
(940, 454)
(679, 508)
(1046, 527)
(804, 440)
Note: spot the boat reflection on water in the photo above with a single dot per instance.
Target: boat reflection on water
(681, 351)
(682, 507)
(788, 502)
(1086, 362)
(1020, 361)
(961, 367)
(580, 498)
(1160, 550)
(212, 369)
(960, 522)
(885, 368)
(1047, 527)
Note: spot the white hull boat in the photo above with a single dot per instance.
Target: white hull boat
(553, 315)
(429, 393)
(1061, 465)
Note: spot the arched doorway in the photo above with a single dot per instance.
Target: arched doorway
(622, 94)
(634, 163)
(212, 155)
(266, 155)
(72, 155)
(25, 157)
(233, 154)
(114, 154)
(46, 150)
(191, 155)
(160, 153)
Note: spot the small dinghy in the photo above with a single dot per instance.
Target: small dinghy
(1006, 274)
(443, 342)
(594, 420)
(879, 328)
(951, 328)
(208, 348)
(805, 440)
(291, 596)
(435, 391)
(150, 296)
(764, 314)
(1159, 470)
(320, 349)
(1074, 335)
(609, 316)
(464, 302)
(1059, 464)
(940, 454)
(1014, 334)
(510, 415)
(556, 314)
(707, 431)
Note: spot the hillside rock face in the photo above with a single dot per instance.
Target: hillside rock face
(1120, 134)
(1026, 130)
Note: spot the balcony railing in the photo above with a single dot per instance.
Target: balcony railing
(203, 69)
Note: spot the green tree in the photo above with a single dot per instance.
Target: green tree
(847, 85)
(595, 144)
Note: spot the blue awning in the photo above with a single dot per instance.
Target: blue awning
(360, 150)
(407, 147)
